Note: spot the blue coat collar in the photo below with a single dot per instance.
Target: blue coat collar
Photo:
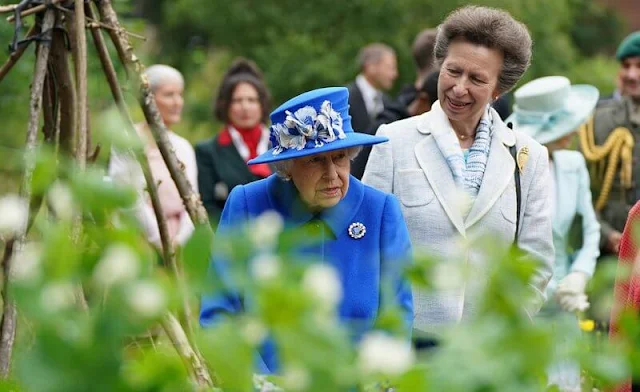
(284, 197)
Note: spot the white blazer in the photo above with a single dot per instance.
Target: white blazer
(573, 197)
(412, 167)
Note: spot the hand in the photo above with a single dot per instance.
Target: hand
(570, 293)
(571, 302)
(575, 282)
(613, 241)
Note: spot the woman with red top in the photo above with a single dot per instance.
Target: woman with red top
(242, 105)
(627, 289)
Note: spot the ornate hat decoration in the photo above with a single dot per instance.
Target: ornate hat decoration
(314, 122)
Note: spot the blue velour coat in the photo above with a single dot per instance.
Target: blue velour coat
(364, 265)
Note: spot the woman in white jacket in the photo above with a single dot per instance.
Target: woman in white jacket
(167, 85)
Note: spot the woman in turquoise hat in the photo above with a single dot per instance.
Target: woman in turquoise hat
(363, 233)
(550, 110)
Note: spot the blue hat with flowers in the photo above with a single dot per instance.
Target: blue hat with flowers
(313, 122)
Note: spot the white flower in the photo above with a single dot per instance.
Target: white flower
(303, 121)
(448, 275)
(383, 354)
(295, 378)
(56, 297)
(14, 212)
(146, 299)
(60, 199)
(261, 384)
(289, 140)
(322, 281)
(266, 229)
(118, 264)
(254, 332)
(265, 267)
(26, 264)
(329, 123)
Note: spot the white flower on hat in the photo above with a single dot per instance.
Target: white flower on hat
(56, 297)
(295, 378)
(266, 229)
(26, 264)
(287, 139)
(14, 212)
(303, 121)
(147, 299)
(322, 281)
(60, 199)
(265, 267)
(329, 124)
(380, 353)
(118, 264)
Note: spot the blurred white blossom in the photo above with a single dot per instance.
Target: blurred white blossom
(322, 281)
(384, 354)
(266, 229)
(146, 299)
(27, 263)
(118, 264)
(254, 332)
(265, 267)
(448, 275)
(295, 378)
(261, 384)
(56, 297)
(14, 212)
(60, 199)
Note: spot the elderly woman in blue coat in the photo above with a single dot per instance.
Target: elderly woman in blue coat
(364, 236)
(550, 110)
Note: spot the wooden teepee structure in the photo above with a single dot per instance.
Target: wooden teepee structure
(59, 95)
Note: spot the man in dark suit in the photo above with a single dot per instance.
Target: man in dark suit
(378, 71)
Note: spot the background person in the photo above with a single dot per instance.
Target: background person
(167, 85)
(242, 104)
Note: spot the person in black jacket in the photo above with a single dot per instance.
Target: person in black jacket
(242, 104)
(378, 71)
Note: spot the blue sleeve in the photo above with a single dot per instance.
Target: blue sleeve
(396, 255)
(224, 300)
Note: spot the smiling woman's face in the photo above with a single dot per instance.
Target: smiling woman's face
(468, 81)
(322, 179)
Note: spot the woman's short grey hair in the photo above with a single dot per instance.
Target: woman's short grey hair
(282, 168)
(159, 74)
(492, 28)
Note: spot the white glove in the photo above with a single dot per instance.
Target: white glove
(570, 293)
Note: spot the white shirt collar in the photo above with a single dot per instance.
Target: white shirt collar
(368, 92)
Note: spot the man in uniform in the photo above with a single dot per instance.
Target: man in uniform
(611, 115)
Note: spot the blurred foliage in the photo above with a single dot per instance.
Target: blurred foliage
(117, 346)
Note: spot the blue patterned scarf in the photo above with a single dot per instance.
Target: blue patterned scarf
(467, 175)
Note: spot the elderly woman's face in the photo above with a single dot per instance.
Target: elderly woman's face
(245, 110)
(468, 80)
(169, 101)
(322, 179)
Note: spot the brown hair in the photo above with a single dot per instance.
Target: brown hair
(492, 28)
(422, 49)
(241, 71)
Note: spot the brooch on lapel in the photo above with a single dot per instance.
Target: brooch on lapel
(357, 230)
(522, 158)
